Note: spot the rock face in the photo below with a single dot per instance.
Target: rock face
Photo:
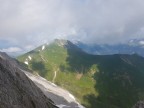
(139, 104)
(17, 90)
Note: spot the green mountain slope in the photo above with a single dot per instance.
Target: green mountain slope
(108, 81)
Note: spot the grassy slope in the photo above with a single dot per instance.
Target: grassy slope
(113, 81)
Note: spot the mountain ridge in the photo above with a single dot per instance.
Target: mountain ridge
(101, 80)
(131, 47)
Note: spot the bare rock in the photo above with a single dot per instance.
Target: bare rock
(139, 104)
(17, 90)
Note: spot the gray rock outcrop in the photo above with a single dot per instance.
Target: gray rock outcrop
(139, 104)
(17, 90)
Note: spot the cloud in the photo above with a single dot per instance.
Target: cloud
(11, 50)
(33, 22)
(28, 47)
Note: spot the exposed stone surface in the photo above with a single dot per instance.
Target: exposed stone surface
(139, 104)
(17, 90)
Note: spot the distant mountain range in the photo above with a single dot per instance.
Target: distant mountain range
(133, 46)
(97, 81)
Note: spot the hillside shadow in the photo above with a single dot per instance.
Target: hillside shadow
(119, 82)
(39, 67)
(116, 81)
(77, 60)
(115, 90)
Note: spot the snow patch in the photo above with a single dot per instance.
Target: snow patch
(26, 62)
(43, 47)
(43, 78)
(29, 57)
(62, 106)
(53, 84)
(70, 95)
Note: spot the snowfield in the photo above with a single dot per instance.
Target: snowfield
(62, 98)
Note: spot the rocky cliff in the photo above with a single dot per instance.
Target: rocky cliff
(17, 90)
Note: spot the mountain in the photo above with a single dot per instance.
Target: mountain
(131, 47)
(97, 81)
(28, 90)
(17, 90)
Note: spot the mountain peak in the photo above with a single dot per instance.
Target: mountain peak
(66, 44)
(107, 77)
(61, 42)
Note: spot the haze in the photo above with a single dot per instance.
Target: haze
(28, 23)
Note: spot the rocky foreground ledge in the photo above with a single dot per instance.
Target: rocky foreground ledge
(17, 90)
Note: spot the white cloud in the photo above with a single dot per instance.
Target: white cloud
(29, 47)
(92, 21)
(11, 50)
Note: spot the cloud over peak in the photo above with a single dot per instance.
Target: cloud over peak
(93, 21)
(11, 50)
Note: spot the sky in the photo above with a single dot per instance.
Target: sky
(26, 24)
